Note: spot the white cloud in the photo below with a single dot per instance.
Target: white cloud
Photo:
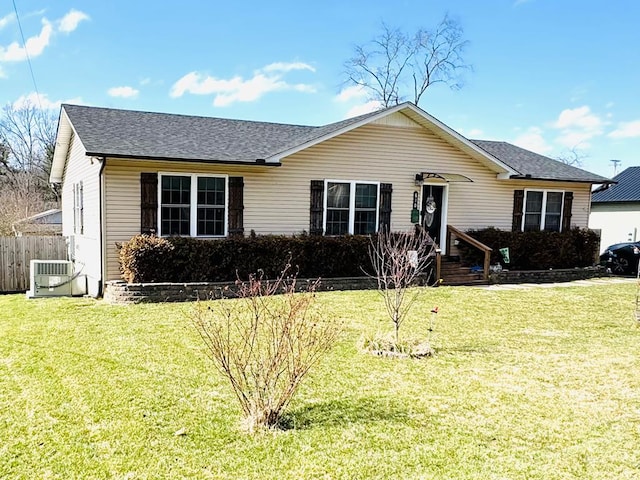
(238, 89)
(123, 92)
(361, 109)
(580, 117)
(533, 140)
(626, 130)
(578, 126)
(287, 67)
(15, 52)
(574, 138)
(41, 101)
(356, 92)
(6, 20)
(36, 44)
(70, 21)
(473, 133)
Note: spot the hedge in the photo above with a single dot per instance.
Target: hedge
(147, 259)
(534, 250)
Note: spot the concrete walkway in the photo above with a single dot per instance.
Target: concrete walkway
(576, 283)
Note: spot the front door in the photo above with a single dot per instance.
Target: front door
(432, 210)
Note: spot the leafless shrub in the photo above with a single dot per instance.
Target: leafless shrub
(264, 341)
(400, 261)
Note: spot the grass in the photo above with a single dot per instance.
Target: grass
(537, 384)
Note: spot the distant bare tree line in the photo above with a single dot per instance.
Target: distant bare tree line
(27, 141)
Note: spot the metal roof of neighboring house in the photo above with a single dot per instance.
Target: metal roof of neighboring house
(535, 166)
(626, 190)
(108, 132)
(52, 217)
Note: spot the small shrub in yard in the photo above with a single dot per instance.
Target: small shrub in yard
(264, 338)
(400, 261)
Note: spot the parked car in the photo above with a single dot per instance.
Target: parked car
(622, 258)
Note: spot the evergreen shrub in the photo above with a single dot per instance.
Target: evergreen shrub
(534, 250)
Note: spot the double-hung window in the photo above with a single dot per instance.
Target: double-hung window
(351, 207)
(543, 210)
(193, 205)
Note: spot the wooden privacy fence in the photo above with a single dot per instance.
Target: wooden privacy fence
(17, 252)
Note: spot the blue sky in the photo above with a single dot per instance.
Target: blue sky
(548, 75)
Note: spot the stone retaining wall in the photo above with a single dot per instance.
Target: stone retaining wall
(547, 276)
(118, 292)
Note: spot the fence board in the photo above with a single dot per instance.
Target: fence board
(16, 254)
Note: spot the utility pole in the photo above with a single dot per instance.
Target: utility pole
(615, 166)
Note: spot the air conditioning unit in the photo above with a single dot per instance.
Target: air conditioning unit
(50, 278)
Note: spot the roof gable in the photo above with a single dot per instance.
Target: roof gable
(108, 132)
(627, 188)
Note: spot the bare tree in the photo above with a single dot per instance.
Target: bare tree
(395, 66)
(264, 342)
(572, 156)
(401, 261)
(27, 140)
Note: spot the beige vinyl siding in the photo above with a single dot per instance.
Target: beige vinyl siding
(276, 199)
(80, 168)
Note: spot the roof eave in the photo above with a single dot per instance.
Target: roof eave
(257, 162)
(592, 181)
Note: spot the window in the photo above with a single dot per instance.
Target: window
(543, 211)
(193, 205)
(78, 208)
(351, 207)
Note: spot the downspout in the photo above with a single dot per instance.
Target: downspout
(103, 241)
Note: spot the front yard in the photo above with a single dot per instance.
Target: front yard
(540, 383)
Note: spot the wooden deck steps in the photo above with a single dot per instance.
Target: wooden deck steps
(452, 272)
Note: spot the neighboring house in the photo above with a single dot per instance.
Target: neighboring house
(615, 210)
(44, 223)
(126, 172)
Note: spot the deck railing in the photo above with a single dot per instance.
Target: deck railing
(453, 232)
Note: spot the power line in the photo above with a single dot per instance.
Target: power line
(24, 44)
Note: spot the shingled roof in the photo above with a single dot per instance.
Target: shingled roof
(535, 166)
(626, 190)
(108, 132)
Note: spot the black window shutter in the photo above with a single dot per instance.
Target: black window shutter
(236, 206)
(149, 203)
(518, 207)
(317, 207)
(566, 211)
(384, 224)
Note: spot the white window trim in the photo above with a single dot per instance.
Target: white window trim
(352, 202)
(193, 205)
(544, 206)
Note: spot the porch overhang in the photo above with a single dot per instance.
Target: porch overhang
(446, 176)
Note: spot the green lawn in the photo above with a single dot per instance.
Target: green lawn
(526, 384)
